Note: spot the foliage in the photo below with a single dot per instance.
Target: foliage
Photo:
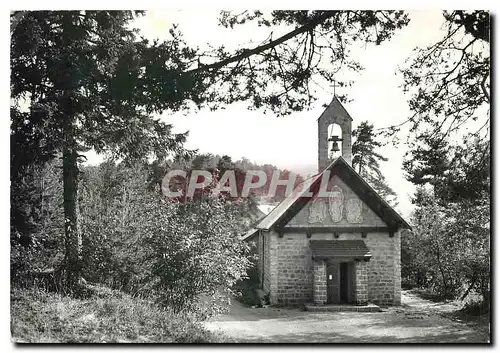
(450, 95)
(247, 287)
(448, 249)
(283, 72)
(449, 80)
(113, 199)
(80, 64)
(82, 79)
(217, 165)
(138, 241)
(192, 249)
(108, 317)
(455, 172)
(72, 69)
(432, 250)
(365, 160)
(36, 221)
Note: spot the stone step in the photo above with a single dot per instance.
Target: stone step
(342, 307)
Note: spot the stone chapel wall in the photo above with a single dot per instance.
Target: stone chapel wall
(295, 269)
(295, 275)
(288, 263)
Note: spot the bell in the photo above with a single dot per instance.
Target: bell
(334, 150)
(335, 147)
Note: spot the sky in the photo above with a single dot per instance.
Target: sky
(265, 138)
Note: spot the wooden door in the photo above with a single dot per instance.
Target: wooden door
(332, 283)
(344, 282)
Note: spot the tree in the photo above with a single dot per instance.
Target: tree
(89, 82)
(449, 80)
(366, 161)
(37, 221)
(434, 250)
(282, 73)
(448, 249)
(456, 173)
(72, 67)
(453, 182)
(202, 253)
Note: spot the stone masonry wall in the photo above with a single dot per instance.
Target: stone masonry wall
(383, 280)
(274, 266)
(289, 273)
(397, 268)
(334, 114)
(295, 270)
(319, 282)
(288, 262)
(361, 283)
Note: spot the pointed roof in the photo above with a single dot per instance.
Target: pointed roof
(335, 108)
(290, 206)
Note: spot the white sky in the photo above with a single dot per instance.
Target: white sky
(291, 142)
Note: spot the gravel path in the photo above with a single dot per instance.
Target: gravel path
(415, 321)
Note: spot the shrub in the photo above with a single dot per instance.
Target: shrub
(108, 317)
(246, 288)
(36, 216)
(137, 241)
(194, 249)
(475, 307)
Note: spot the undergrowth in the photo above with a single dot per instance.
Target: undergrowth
(107, 317)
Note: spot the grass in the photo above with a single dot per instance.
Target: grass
(107, 317)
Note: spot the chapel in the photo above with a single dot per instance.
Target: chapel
(340, 249)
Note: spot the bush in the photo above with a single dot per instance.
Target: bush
(137, 241)
(109, 316)
(37, 221)
(448, 249)
(475, 307)
(247, 288)
(193, 249)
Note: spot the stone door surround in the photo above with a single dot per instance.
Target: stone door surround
(320, 281)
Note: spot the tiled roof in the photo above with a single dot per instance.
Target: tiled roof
(352, 249)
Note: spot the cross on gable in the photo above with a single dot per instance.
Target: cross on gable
(334, 86)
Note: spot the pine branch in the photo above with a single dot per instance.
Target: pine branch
(257, 50)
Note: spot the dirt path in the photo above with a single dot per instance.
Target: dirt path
(417, 320)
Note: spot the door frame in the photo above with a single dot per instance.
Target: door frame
(349, 281)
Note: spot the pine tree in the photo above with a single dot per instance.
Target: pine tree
(76, 70)
(366, 161)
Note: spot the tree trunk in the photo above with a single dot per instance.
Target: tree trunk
(468, 290)
(70, 184)
(70, 166)
(443, 276)
(360, 163)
